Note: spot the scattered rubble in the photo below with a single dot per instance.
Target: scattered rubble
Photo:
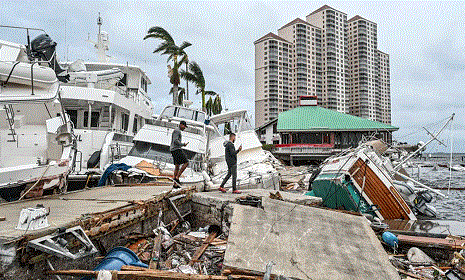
(439, 259)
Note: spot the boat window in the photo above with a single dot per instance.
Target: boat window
(200, 117)
(155, 151)
(134, 127)
(122, 138)
(169, 111)
(94, 119)
(72, 116)
(124, 121)
(185, 114)
(143, 84)
(124, 81)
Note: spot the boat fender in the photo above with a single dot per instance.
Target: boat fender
(390, 239)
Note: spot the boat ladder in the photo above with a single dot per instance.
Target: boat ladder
(10, 117)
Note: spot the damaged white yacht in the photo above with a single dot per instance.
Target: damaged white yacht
(150, 156)
(256, 168)
(37, 146)
(107, 102)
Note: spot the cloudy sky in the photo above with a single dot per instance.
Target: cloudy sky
(425, 41)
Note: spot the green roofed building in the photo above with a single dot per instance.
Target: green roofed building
(313, 132)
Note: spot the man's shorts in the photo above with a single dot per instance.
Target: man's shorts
(179, 157)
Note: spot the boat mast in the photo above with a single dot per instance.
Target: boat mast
(433, 137)
(102, 42)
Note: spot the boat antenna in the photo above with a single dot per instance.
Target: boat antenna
(451, 142)
(434, 137)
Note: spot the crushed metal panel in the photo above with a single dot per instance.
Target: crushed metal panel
(58, 244)
(305, 243)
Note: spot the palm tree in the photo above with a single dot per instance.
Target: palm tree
(213, 106)
(195, 76)
(175, 53)
(217, 107)
(181, 94)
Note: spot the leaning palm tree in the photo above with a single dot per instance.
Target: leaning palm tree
(195, 76)
(176, 54)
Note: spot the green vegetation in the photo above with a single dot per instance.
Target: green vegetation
(176, 54)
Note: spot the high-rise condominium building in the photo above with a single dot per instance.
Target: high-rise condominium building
(327, 56)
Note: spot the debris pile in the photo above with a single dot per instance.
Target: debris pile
(188, 252)
(427, 258)
(295, 178)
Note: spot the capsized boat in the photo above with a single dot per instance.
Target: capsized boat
(362, 180)
(256, 168)
(37, 145)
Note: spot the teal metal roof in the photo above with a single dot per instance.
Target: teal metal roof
(315, 118)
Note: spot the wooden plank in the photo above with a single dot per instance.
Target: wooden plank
(452, 244)
(411, 274)
(202, 248)
(142, 273)
(155, 257)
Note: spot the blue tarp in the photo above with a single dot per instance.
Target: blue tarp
(111, 168)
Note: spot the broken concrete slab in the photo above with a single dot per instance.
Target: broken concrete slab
(218, 198)
(305, 243)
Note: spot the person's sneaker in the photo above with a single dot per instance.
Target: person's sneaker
(237, 191)
(222, 189)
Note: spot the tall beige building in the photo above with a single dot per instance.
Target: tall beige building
(333, 24)
(327, 56)
(273, 78)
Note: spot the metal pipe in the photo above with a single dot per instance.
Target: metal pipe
(420, 184)
(89, 115)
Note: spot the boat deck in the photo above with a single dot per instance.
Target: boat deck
(67, 208)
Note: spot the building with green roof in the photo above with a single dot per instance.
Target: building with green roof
(314, 132)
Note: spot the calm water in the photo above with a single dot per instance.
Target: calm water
(453, 206)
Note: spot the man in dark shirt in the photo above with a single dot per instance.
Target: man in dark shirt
(230, 154)
(179, 158)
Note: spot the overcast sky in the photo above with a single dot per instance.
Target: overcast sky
(425, 41)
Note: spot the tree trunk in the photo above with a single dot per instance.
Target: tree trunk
(187, 84)
(203, 101)
(175, 95)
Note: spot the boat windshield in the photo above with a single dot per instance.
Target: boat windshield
(155, 152)
(184, 113)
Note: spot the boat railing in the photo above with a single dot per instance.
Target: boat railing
(16, 62)
(172, 125)
(305, 150)
(195, 165)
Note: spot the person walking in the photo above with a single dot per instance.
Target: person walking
(230, 154)
(179, 157)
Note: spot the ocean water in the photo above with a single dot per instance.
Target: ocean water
(452, 207)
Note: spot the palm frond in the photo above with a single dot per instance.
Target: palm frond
(209, 92)
(184, 45)
(197, 72)
(159, 33)
(188, 76)
(164, 46)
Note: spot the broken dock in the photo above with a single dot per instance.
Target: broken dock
(268, 233)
